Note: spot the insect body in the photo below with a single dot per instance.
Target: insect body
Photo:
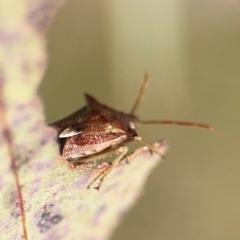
(97, 131)
(94, 128)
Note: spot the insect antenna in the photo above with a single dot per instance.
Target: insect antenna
(168, 122)
(171, 122)
(140, 94)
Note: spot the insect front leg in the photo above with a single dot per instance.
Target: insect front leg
(149, 145)
(120, 152)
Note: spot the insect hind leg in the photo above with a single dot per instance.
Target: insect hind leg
(120, 152)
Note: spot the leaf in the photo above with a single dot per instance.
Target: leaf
(41, 195)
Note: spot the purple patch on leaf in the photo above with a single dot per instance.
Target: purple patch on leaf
(101, 209)
(9, 38)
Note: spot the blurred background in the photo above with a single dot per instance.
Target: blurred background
(191, 50)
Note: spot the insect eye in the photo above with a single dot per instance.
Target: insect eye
(132, 125)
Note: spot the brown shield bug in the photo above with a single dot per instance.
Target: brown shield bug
(97, 131)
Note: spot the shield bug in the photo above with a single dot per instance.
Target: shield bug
(97, 131)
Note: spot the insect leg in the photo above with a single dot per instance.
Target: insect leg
(93, 158)
(149, 145)
(121, 151)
